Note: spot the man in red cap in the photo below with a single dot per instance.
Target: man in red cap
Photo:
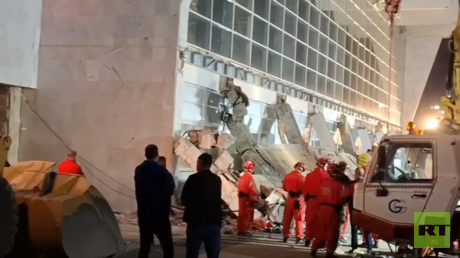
(295, 205)
(311, 190)
(247, 196)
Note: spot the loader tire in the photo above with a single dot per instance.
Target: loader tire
(8, 217)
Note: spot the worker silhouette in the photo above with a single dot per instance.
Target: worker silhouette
(70, 166)
(154, 188)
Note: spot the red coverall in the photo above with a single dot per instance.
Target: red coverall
(247, 195)
(332, 198)
(293, 183)
(70, 167)
(312, 187)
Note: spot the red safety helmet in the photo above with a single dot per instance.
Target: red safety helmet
(300, 165)
(322, 161)
(249, 165)
(331, 167)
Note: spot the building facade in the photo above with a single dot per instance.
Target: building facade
(106, 78)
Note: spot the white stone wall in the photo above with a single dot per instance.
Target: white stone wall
(106, 87)
(19, 40)
(420, 54)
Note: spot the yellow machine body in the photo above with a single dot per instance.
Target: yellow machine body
(61, 214)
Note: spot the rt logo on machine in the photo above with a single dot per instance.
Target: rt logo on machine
(432, 229)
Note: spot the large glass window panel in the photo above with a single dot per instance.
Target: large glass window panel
(260, 31)
(245, 3)
(274, 64)
(199, 31)
(221, 42)
(262, 8)
(242, 22)
(304, 10)
(192, 112)
(276, 14)
(346, 95)
(212, 99)
(315, 16)
(359, 101)
(292, 5)
(333, 30)
(289, 46)
(330, 89)
(193, 94)
(331, 69)
(313, 38)
(212, 115)
(202, 7)
(321, 85)
(241, 49)
(332, 50)
(323, 44)
(311, 80)
(255, 109)
(312, 59)
(290, 23)
(253, 122)
(339, 73)
(276, 39)
(324, 24)
(288, 70)
(322, 64)
(259, 57)
(353, 98)
(223, 12)
(340, 58)
(347, 78)
(301, 53)
(338, 92)
(300, 72)
(302, 31)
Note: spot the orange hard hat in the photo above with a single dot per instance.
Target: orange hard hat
(249, 165)
(300, 165)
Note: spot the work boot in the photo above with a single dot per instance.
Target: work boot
(313, 253)
(350, 251)
(298, 240)
(307, 243)
(285, 239)
(244, 234)
(330, 255)
(376, 244)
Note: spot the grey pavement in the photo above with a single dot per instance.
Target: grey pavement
(261, 245)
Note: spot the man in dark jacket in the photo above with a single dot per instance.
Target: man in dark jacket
(201, 197)
(154, 188)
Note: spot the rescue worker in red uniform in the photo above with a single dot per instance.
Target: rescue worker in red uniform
(311, 190)
(247, 196)
(332, 199)
(295, 204)
(70, 166)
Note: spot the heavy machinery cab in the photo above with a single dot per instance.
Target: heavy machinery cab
(408, 173)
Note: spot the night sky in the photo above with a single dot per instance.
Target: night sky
(435, 86)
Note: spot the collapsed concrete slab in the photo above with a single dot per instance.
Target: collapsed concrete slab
(272, 162)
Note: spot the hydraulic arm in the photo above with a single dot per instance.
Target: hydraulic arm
(450, 103)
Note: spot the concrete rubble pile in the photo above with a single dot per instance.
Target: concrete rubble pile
(272, 162)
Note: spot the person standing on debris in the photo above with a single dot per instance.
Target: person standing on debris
(70, 166)
(247, 197)
(202, 198)
(154, 188)
(295, 204)
(311, 190)
(332, 199)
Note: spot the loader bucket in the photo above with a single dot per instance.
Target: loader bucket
(61, 214)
